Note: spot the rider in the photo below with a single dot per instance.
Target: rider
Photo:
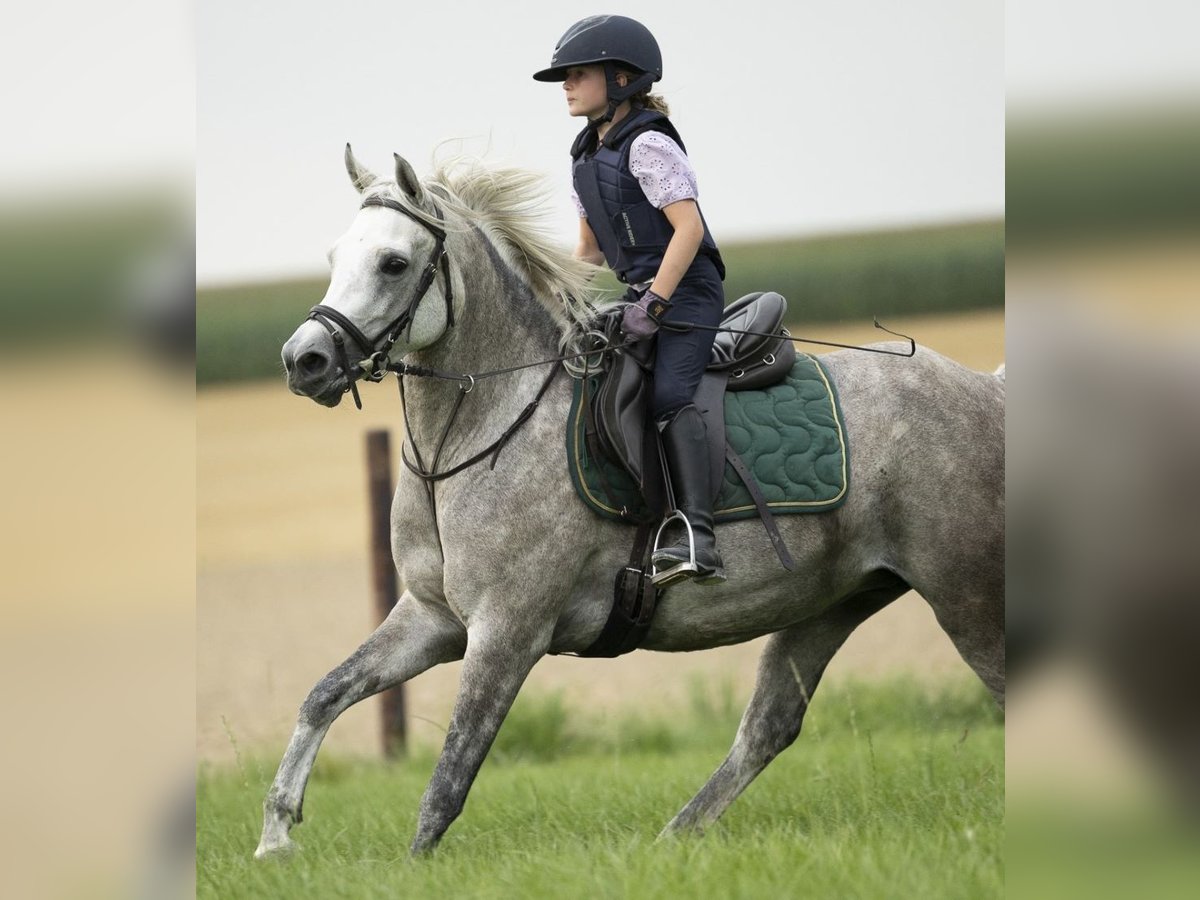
(636, 194)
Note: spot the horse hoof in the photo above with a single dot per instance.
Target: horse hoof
(276, 850)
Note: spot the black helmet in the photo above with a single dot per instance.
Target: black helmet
(605, 39)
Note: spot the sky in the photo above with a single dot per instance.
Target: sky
(800, 118)
(97, 97)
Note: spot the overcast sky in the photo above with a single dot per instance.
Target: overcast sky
(799, 117)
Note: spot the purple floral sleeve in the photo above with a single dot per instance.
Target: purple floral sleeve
(661, 168)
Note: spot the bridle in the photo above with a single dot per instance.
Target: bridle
(373, 365)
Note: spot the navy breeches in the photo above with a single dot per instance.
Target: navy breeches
(682, 356)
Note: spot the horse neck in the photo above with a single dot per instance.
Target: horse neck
(500, 323)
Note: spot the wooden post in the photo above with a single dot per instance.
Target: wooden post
(383, 575)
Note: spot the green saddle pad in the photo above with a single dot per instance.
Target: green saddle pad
(790, 436)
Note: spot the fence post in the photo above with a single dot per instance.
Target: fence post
(383, 575)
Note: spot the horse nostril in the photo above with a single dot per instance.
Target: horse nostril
(312, 363)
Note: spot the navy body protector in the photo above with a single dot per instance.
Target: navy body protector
(632, 233)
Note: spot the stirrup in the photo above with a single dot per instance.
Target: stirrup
(679, 571)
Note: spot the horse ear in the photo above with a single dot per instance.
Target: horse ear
(362, 178)
(407, 179)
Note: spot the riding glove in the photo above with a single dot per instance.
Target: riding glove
(643, 314)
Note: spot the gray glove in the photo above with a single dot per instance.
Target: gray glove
(643, 314)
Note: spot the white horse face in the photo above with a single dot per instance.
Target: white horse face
(375, 269)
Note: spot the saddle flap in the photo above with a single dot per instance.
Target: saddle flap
(738, 362)
(621, 406)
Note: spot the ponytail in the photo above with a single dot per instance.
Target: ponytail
(655, 102)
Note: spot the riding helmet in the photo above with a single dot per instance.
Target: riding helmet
(601, 39)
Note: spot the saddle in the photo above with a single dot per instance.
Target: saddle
(739, 362)
(617, 427)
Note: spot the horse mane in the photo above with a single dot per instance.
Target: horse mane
(509, 205)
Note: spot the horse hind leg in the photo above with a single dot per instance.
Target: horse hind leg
(413, 638)
(974, 622)
(967, 598)
(788, 673)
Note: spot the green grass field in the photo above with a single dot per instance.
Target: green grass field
(890, 791)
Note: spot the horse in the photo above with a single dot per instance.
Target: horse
(501, 564)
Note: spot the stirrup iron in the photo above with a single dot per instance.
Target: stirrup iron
(679, 571)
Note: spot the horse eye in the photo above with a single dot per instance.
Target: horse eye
(393, 265)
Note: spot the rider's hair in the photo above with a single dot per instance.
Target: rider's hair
(644, 98)
(651, 101)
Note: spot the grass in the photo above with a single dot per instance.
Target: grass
(890, 792)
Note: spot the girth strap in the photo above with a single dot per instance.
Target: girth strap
(635, 599)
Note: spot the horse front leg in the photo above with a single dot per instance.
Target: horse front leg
(498, 659)
(414, 637)
(788, 673)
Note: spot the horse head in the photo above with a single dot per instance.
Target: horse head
(389, 290)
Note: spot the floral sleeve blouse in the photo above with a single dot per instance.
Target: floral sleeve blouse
(661, 168)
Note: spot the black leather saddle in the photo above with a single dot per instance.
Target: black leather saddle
(740, 361)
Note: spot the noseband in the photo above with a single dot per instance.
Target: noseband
(373, 365)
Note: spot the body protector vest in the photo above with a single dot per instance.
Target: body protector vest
(632, 233)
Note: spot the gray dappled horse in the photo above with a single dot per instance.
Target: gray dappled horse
(515, 566)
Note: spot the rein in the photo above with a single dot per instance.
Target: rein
(431, 474)
(469, 380)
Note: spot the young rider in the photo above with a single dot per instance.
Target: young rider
(636, 194)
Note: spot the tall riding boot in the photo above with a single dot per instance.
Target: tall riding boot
(685, 446)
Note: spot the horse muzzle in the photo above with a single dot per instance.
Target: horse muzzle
(312, 366)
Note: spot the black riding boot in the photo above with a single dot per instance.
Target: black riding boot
(685, 446)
